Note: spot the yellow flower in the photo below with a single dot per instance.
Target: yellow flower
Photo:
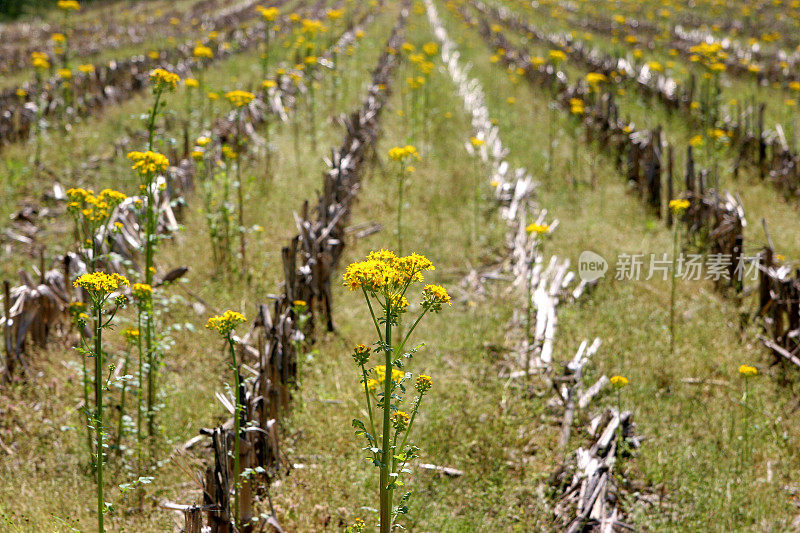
(371, 384)
(130, 334)
(100, 282)
(678, 206)
(400, 420)
(69, 5)
(213, 96)
(225, 323)
(164, 79)
(142, 291)
(153, 54)
(268, 13)
(239, 98)
(556, 56)
(619, 381)
(87, 68)
(191, 83)
(423, 383)
(433, 296)
(197, 154)
(748, 371)
(299, 303)
(361, 354)
(202, 52)
(268, 84)
(401, 153)
(538, 229)
(384, 270)
(595, 78)
(64, 73)
(58, 38)
(148, 163)
(22, 93)
(476, 142)
(696, 141)
(430, 48)
(40, 61)
(397, 375)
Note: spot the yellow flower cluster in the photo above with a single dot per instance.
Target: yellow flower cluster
(312, 26)
(64, 73)
(69, 5)
(225, 323)
(164, 79)
(361, 354)
(401, 153)
(268, 13)
(433, 296)
(576, 106)
(239, 98)
(538, 229)
(619, 381)
(595, 78)
(430, 48)
(423, 383)
(40, 61)
(86, 68)
(202, 52)
(383, 270)
(380, 372)
(400, 420)
(148, 163)
(142, 291)
(83, 202)
(192, 83)
(679, 206)
(476, 142)
(130, 334)
(556, 56)
(58, 38)
(748, 371)
(335, 14)
(100, 282)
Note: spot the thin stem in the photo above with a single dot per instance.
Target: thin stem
(98, 395)
(372, 312)
(403, 344)
(672, 292)
(236, 430)
(369, 404)
(385, 493)
(121, 428)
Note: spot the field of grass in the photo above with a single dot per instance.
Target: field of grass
(718, 450)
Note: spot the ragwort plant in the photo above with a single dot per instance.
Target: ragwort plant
(101, 288)
(384, 279)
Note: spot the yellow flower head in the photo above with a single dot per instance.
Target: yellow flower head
(202, 52)
(131, 334)
(423, 383)
(476, 142)
(748, 371)
(69, 5)
(557, 56)
(361, 354)
(384, 271)
(164, 79)
(213, 96)
(58, 38)
(268, 84)
(433, 296)
(148, 163)
(400, 420)
(401, 153)
(64, 73)
(239, 98)
(430, 48)
(100, 282)
(696, 141)
(538, 229)
(86, 68)
(22, 93)
(191, 83)
(142, 291)
(595, 78)
(225, 323)
(380, 372)
(268, 13)
(679, 205)
(619, 381)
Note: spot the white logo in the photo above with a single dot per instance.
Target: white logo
(591, 266)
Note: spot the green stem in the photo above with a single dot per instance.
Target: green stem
(672, 292)
(369, 404)
(403, 344)
(139, 397)
(121, 428)
(236, 430)
(385, 493)
(372, 313)
(98, 395)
